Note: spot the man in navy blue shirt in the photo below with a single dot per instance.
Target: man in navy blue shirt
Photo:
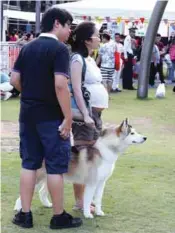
(40, 74)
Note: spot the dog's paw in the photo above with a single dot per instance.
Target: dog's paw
(100, 213)
(88, 215)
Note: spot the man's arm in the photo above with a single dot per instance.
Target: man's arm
(63, 95)
(15, 80)
(21, 41)
(61, 73)
(163, 52)
(157, 55)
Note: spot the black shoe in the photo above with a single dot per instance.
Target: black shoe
(113, 91)
(174, 89)
(132, 88)
(118, 90)
(64, 220)
(24, 220)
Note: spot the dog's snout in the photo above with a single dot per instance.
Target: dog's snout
(144, 138)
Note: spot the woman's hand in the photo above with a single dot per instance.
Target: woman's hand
(89, 121)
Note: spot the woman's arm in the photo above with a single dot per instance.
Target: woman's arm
(76, 80)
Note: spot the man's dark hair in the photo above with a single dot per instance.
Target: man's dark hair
(28, 35)
(132, 30)
(117, 34)
(122, 36)
(106, 36)
(158, 35)
(53, 14)
(37, 35)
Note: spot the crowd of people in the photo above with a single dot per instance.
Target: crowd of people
(20, 37)
(16, 35)
(160, 54)
(129, 54)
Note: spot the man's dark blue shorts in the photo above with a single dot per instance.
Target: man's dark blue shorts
(40, 141)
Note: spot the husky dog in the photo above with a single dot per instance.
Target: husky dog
(92, 166)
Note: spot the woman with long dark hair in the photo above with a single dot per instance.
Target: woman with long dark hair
(85, 38)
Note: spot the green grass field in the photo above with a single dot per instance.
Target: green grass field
(139, 197)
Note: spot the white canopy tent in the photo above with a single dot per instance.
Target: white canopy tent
(21, 15)
(112, 8)
(27, 16)
(115, 8)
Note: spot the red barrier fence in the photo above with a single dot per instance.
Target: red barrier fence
(8, 53)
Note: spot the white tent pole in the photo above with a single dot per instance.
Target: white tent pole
(5, 28)
(1, 13)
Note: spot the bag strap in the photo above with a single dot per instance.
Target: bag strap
(83, 67)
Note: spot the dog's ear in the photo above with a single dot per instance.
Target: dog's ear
(127, 121)
(123, 127)
(119, 129)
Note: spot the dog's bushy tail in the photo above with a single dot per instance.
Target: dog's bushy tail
(82, 169)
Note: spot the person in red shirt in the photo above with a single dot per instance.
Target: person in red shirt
(13, 37)
(162, 51)
(172, 57)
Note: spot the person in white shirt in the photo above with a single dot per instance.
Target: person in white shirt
(5, 86)
(129, 47)
(155, 60)
(106, 58)
(85, 39)
(117, 73)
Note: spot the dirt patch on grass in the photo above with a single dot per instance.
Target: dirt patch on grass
(10, 132)
(144, 121)
(9, 136)
(168, 129)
